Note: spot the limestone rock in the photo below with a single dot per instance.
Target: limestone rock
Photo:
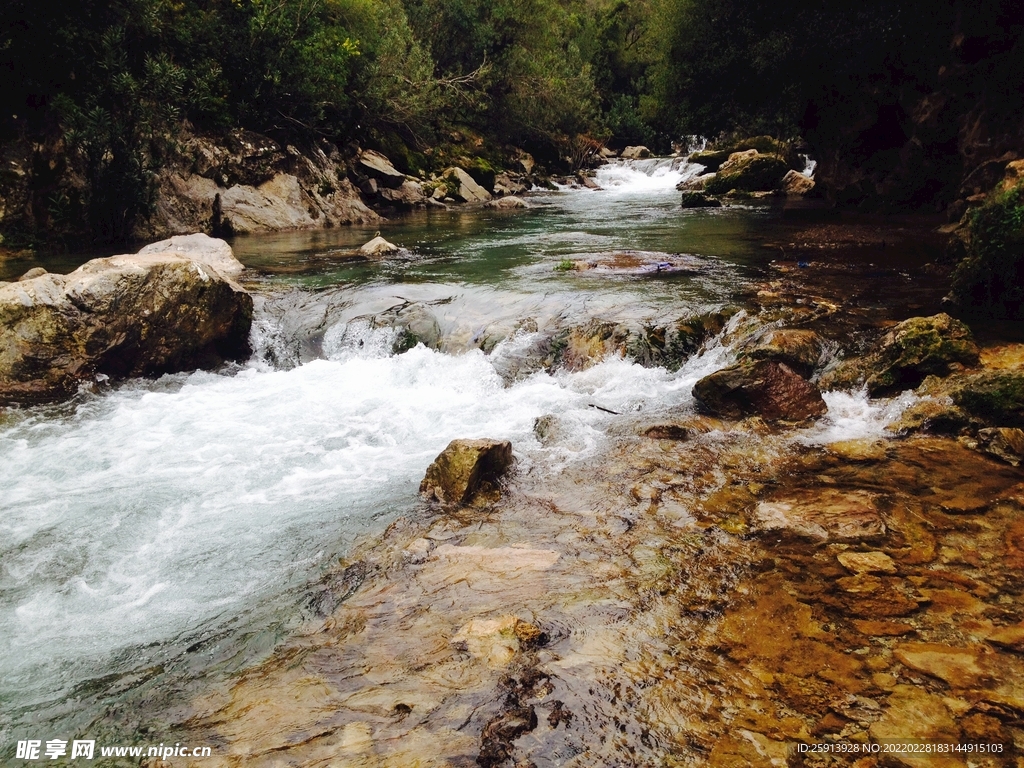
(378, 167)
(506, 204)
(765, 388)
(408, 194)
(378, 246)
(711, 159)
(462, 187)
(32, 273)
(696, 184)
(699, 200)
(465, 468)
(133, 315)
(636, 153)
(827, 516)
(795, 183)
(748, 171)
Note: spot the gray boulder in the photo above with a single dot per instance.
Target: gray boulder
(164, 310)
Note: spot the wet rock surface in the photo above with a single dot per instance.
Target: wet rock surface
(764, 388)
(466, 468)
(173, 306)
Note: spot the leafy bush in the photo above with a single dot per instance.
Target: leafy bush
(990, 279)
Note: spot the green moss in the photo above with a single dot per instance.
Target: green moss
(760, 173)
(481, 170)
(989, 281)
(712, 159)
(565, 265)
(997, 397)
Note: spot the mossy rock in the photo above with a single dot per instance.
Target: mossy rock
(755, 173)
(712, 159)
(995, 397)
(699, 200)
(481, 170)
(920, 347)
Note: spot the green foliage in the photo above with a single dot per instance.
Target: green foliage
(990, 279)
(565, 265)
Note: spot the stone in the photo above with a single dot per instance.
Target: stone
(867, 562)
(959, 667)
(995, 397)
(408, 195)
(462, 187)
(912, 713)
(910, 352)
(1011, 637)
(140, 314)
(826, 516)
(796, 184)
(378, 246)
(635, 153)
(415, 324)
(862, 450)
(696, 184)
(526, 162)
(748, 171)
(711, 159)
(764, 388)
(878, 628)
(798, 348)
(32, 274)
(506, 204)
(497, 641)
(699, 200)
(377, 166)
(465, 468)
(201, 248)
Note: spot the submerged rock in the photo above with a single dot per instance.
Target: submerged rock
(465, 468)
(764, 388)
(1006, 443)
(174, 306)
(826, 516)
(699, 200)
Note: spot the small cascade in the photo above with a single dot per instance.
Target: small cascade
(651, 175)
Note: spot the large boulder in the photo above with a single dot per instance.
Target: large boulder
(407, 195)
(378, 167)
(635, 153)
(912, 350)
(748, 171)
(466, 468)
(763, 388)
(415, 325)
(796, 184)
(798, 348)
(173, 307)
(377, 247)
(462, 187)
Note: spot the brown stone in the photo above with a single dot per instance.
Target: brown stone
(1011, 637)
(764, 388)
(828, 516)
(914, 714)
(465, 468)
(959, 667)
(867, 562)
(875, 628)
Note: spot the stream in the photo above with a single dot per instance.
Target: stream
(159, 534)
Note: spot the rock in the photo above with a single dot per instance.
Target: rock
(378, 167)
(462, 187)
(914, 349)
(200, 248)
(764, 388)
(699, 200)
(861, 450)
(408, 195)
(912, 713)
(696, 184)
(799, 349)
(32, 274)
(867, 562)
(504, 185)
(1011, 637)
(465, 468)
(748, 171)
(635, 153)
(607, 153)
(795, 183)
(877, 628)
(415, 323)
(995, 397)
(506, 204)
(378, 246)
(959, 667)
(827, 516)
(132, 315)
(526, 162)
(497, 641)
(587, 181)
(1006, 443)
(711, 159)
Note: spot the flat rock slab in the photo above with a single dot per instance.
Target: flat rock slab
(827, 516)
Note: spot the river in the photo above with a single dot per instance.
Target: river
(155, 533)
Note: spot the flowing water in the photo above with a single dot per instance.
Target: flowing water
(157, 530)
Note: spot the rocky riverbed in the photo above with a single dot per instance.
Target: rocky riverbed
(711, 591)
